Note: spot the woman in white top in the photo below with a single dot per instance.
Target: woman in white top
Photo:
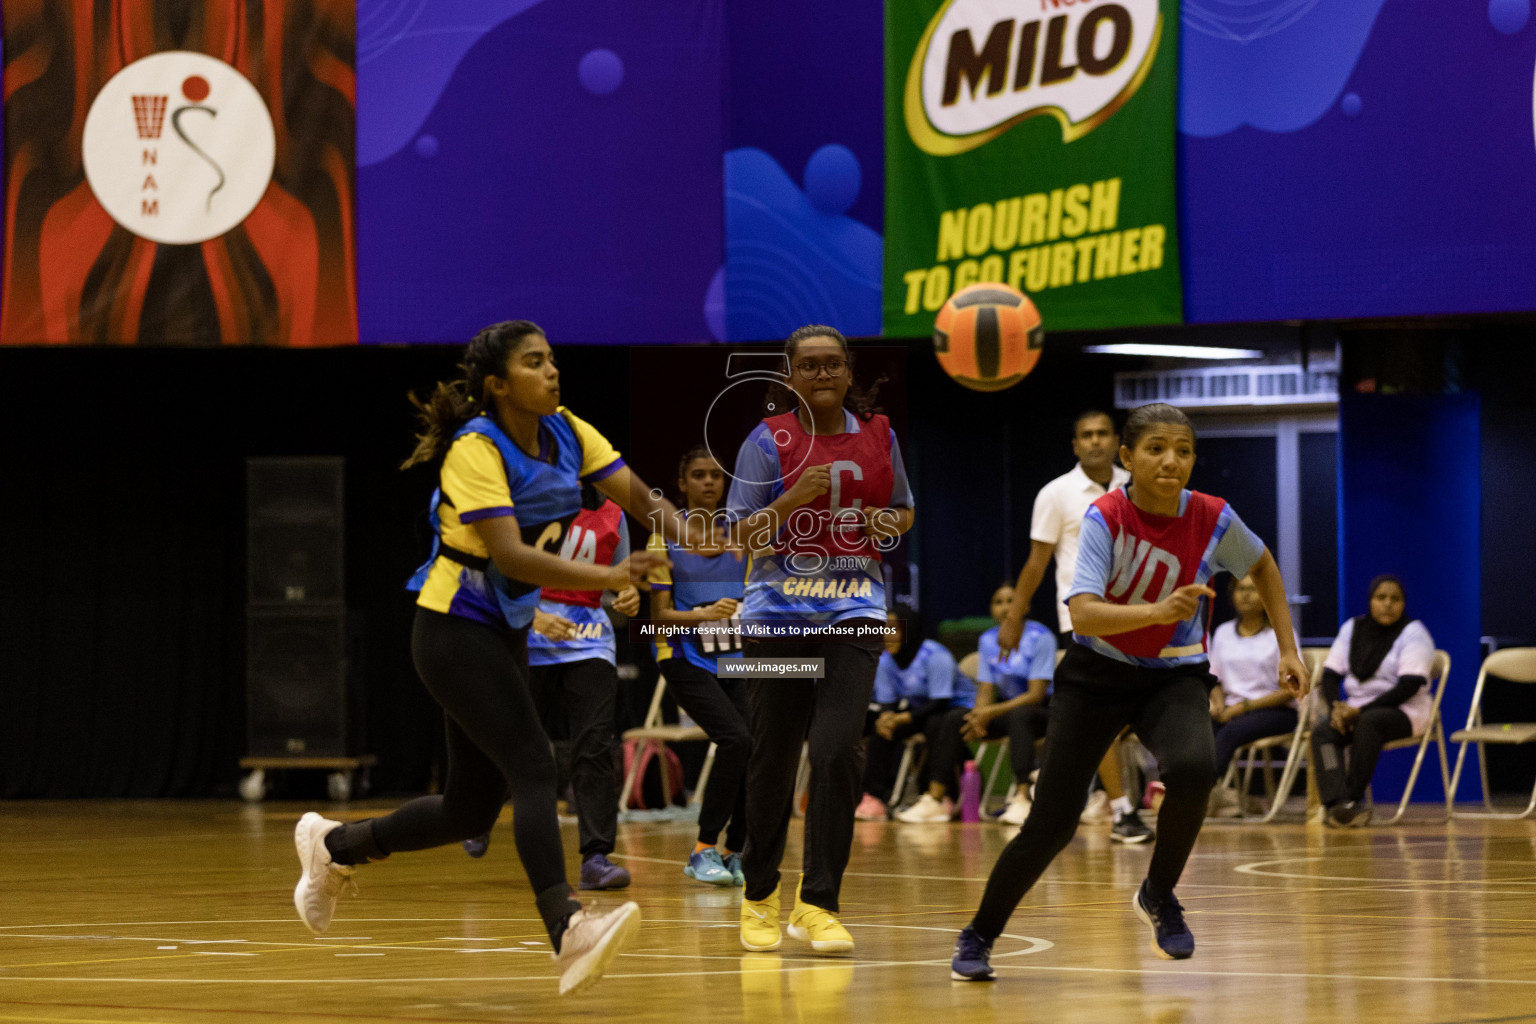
(1375, 680)
(1245, 657)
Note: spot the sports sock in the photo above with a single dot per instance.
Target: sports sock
(1121, 806)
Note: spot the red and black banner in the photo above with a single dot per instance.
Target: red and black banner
(179, 172)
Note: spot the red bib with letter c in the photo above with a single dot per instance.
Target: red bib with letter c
(862, 478)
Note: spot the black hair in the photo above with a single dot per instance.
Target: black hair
(859, 400)
(911, 633)
(1088, 414)
(453, 403)
(1144, 416)
(698, 451)
(1232, 581)
(1387, 577)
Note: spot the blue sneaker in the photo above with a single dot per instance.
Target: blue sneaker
(598, 872)
(973, 957)
(477, 846)
(706, 866)
(733, 865)
(1171, 938)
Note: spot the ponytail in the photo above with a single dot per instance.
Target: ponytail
(453, 403)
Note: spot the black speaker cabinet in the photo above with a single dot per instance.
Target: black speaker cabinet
(300, 696)
(294, 515)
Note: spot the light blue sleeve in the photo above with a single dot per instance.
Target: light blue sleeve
(941, 674)
(757, 480)
(986, 653)
(1095, 557)
(1042, 665)
(901, 490)
(621, 552)
(1239, 549)
(887, 685)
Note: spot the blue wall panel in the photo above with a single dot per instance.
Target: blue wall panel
(1410, 488)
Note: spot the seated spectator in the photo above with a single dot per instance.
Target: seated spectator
(1376, 684)
(1249, 704)
(916, 682)
(1011, 700)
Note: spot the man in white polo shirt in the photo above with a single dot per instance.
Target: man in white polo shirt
(1053, 532)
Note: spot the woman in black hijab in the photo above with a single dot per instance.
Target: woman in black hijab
(1376, 683)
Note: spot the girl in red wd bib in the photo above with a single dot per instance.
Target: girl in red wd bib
(1138, 604)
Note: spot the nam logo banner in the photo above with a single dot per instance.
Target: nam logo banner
(1032, 142)
(180, 173)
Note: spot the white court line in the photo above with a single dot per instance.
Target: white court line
(931, 878)
(1171, 971)
(1296, 975)
(1254, 868)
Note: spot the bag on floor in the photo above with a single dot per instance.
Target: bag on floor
(647, 792)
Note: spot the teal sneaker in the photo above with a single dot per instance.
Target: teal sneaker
(733, 864)
(707, 867)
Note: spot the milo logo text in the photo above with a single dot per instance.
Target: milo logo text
(985, 65)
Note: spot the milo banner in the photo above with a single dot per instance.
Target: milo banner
(1032, 142)
(179, 173)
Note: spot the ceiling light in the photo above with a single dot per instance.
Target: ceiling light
(1175, 351)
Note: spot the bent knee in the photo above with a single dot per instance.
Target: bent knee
(1189, 771)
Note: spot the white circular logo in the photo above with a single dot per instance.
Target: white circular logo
(179, 147)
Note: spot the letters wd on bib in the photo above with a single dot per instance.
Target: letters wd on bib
(180, 173)
(1032, 143)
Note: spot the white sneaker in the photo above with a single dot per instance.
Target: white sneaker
(322, 881)
(1097, 810)
(927, 811)
(1017, 810)
(1226, 803)
(590, 943)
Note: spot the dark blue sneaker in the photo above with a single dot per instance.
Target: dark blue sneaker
(477, 846)
(1171, 938)
(973, 957)
(598, 872)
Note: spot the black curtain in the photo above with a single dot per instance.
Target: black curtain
(122, 541)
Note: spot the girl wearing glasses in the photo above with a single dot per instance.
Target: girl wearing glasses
(818, 492)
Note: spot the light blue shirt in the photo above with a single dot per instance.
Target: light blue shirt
(1034, 658)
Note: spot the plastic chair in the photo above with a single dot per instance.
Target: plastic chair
(1518, 665)
(1440, 669)
(654, 733)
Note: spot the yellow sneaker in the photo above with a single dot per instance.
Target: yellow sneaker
(760, 923)
(821, 928)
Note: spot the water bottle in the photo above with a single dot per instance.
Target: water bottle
(970, 793)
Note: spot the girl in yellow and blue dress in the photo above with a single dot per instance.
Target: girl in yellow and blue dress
(513, 461)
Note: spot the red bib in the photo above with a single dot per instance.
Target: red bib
(1154, 556)
(861, 478)
(592, 538)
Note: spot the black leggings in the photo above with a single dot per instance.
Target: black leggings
(1095, 698)
(1244, 729)
(881, 755)
(496, 747)
(583, 693)
(829, 713)
(1024, 726)
(722, 710)
(1374, 729)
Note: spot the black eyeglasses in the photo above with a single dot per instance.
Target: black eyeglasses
(811, 370)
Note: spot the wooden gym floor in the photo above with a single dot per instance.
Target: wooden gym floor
(182, 912)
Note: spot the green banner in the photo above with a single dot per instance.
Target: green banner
(1032, 142)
